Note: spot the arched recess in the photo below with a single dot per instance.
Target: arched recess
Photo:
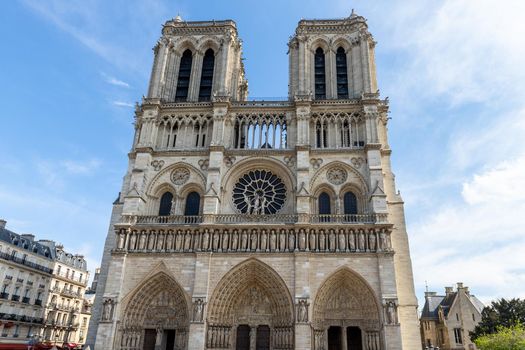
(156, 308)
(252, 294)
(347, 303)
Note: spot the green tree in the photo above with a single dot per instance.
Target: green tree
(501, 313)
(505, 338)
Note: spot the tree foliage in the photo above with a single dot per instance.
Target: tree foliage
(501, 313)
(505, 338)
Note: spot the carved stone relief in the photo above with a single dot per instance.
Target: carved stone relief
(180, 176)
(157, 164)
(337, 175)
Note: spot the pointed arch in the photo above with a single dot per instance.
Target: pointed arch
(251, 288)
(346, 298)
(159, 293)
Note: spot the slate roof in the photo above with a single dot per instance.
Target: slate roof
(433, 302)
(26, 243)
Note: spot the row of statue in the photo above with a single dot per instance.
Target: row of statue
(372, 341)
(218, 337)
(260, 240)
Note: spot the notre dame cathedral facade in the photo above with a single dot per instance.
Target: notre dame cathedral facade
(258, 224)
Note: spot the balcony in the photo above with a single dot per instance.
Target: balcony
(82, 281)
(4, 295)
(15, 297)
(38, 302)
(347, 219)
(24, 262)
(25, 300)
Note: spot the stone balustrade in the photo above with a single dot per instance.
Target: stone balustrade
(347, 219)
(306, 239)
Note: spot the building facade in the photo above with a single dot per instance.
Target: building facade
(258, 224)
(65, 303)
(447, 320)
(26, 268)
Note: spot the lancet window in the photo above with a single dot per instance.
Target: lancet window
(183, 82)
(350, 203)
(192, 206)
(260, 131)
(207, 75)
(166, 202)
(320, 74)
(342, 73)
(184, 131)
(338, 130)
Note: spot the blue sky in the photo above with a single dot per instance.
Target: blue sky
(453, 70)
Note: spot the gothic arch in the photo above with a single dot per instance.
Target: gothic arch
(341, 42)
(354, 177)
(163, 177)
(160, 303)
(185, 44)
(345, 298)
(209, 43)
(251, 288)
(320, 41)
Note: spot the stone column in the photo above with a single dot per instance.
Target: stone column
(195, 80)
(343, 338)
(357, 75)
(331, 75)
(253, 337)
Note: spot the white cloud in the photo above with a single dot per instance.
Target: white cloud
(81, 167)
(480, 239)
(122, 104)
(114, 81)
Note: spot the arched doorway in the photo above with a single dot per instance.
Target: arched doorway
(346, 314)
(156, 316)
(251, 307)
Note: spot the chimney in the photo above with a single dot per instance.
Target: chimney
(460, 285)
(430, 294)
(448, 290)
(2, 223)
(28, 236)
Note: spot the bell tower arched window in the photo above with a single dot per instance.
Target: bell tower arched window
(324, 207)
(207, 75)
(320, 75)
(165, 204)
(342, 73)
(183, 83)
(350, 203)
(193, 202)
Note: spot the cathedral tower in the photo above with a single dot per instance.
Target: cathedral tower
(258, 224)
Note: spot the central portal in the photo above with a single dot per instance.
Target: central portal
(250, 309)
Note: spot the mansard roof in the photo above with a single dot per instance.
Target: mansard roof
(433, 302)
(26, 242)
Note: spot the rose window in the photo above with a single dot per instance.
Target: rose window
(259, 192)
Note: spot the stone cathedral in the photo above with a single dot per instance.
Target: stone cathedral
(258, 224)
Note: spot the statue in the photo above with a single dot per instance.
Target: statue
(302, 311)
(132, 241)
(331, 240)
(302, 240)
(178, 240)
(291, 240)
(254, 240)
(235, 239)
(121, 238)
(361, 240)
(391, 312)
(205, 240)
(312, 239)
(263, 240)
(244, 240)
(282, 240)
(351, 241)
(142, 241)
(322, 241)
(187, 241)
(215, 246)
(225, 239)
(170, 241)
(198, 308)
(342, 240)
(107, 310)
(273, 240)
(160, 241)
(372, 241)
